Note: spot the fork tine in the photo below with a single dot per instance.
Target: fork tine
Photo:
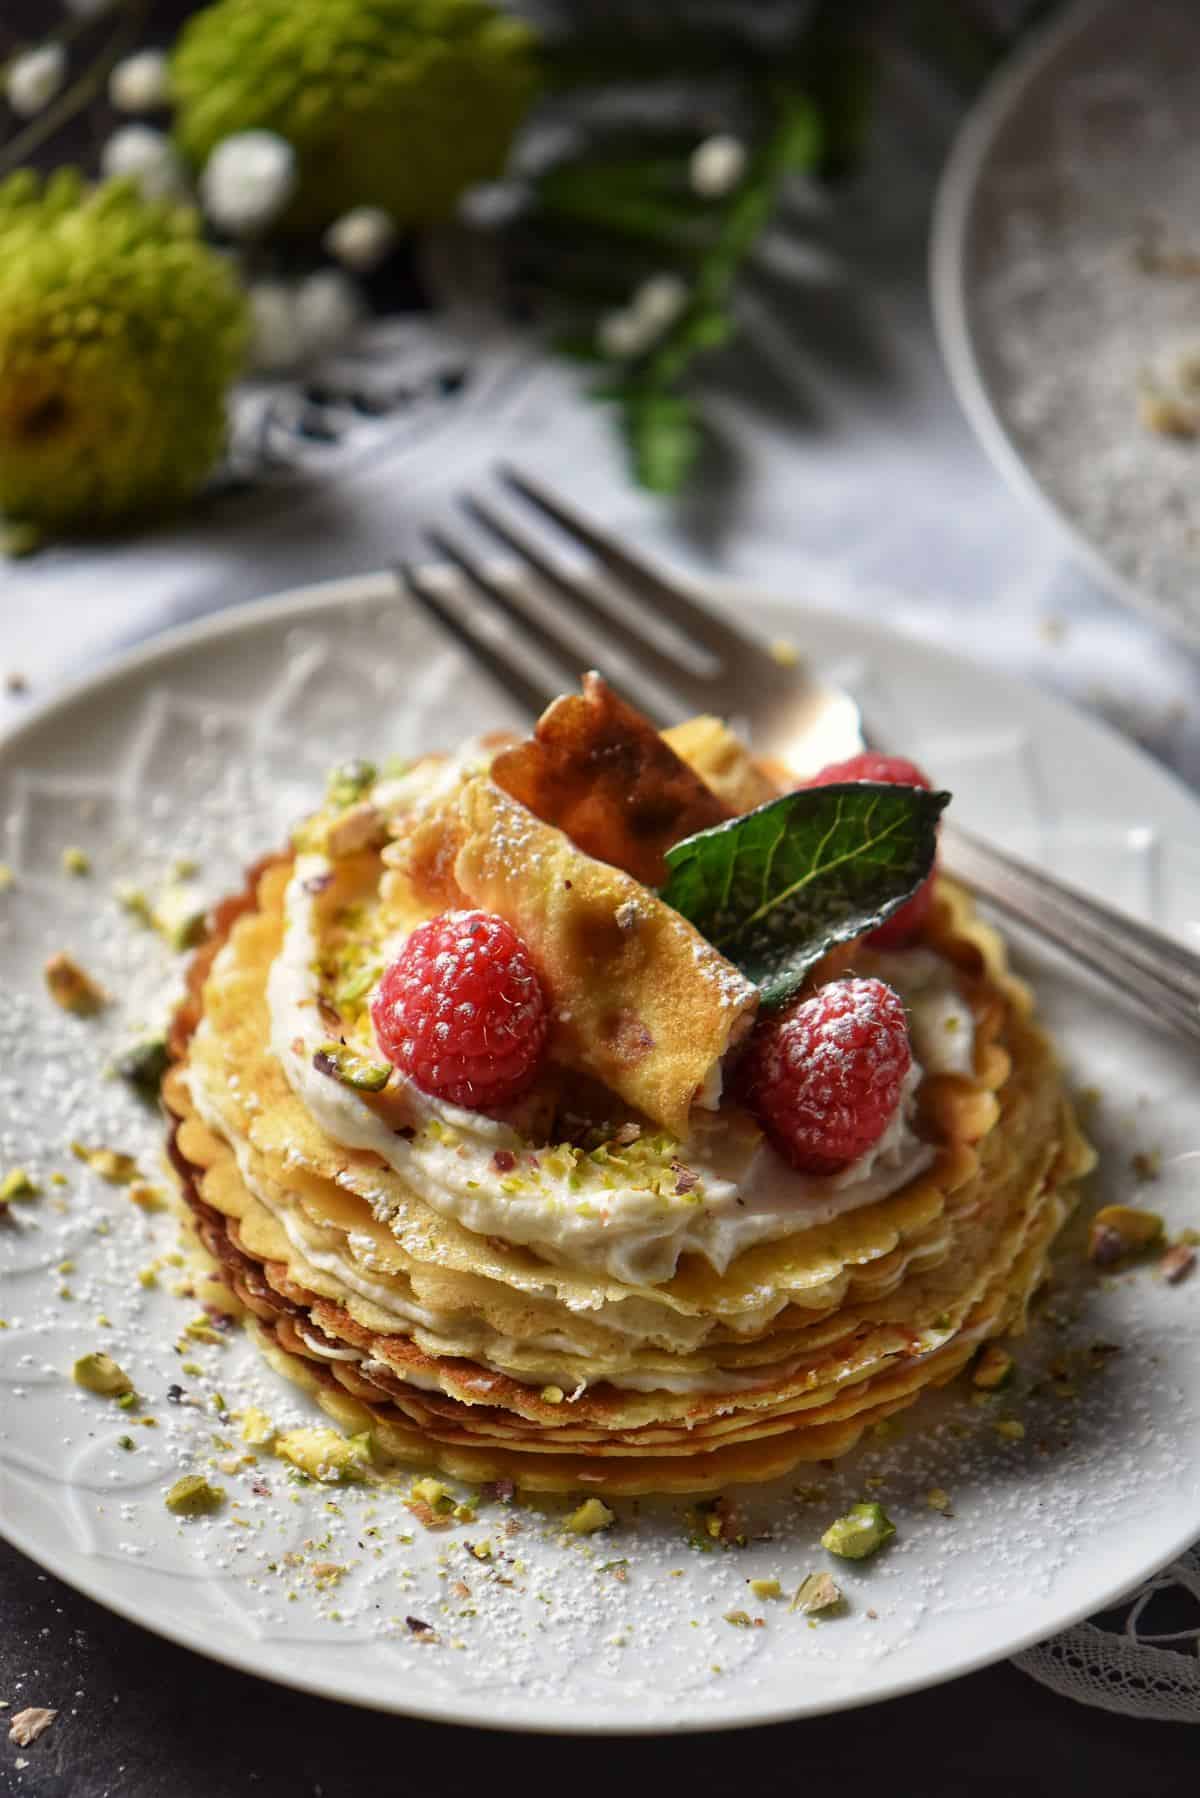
(547, 638)
(647, 657)
(695, 620)
(502, 662)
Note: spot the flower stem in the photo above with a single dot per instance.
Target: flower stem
(81, 91)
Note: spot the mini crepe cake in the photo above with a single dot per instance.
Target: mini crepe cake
(590, 1111)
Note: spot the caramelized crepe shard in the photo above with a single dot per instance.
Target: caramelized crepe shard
(639, 999)
(598, 770)
(723, 763)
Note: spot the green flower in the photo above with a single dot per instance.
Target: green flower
(119, 334)
(399, 104)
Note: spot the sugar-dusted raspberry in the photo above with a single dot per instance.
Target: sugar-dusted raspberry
(462, 1012)
(908, 921)
(824, 1076)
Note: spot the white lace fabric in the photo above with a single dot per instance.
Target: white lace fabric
(1130, 1669)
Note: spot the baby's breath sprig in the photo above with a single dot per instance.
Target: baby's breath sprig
(36, 77)
(704, 213)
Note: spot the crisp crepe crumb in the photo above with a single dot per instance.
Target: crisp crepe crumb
(28, 1725)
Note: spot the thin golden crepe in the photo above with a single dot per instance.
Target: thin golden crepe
(478, 1356)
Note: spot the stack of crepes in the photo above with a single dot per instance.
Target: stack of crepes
(617, 1283)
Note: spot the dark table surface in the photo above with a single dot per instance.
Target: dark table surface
(140, 1718)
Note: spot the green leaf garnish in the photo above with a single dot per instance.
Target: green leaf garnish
(776, 889)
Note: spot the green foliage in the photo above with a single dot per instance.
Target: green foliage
(777, 888)
(120, 332)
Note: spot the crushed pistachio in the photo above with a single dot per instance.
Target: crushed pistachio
(148, 1198)
(994, 1369)
(1177, 1263)
(178, 916)
(1011, 1428)
(816, 1592)
(351, 1069)
(110, 1164)
(433, 1493)
(1120, 1230)
(939, 1500)
(144, 1064)
(133, 900)
(18, 1184)
(201, 1329)
(765, 1588)
(327, 1573)
(257, 1429)
(592, 1515)
(7, 877)
(784, 652)
(326, 1456)
(863, 1529)
(348, 782)
(72, 988)
(192, 1496)
(356, 986)
(184, 867)
(76, 861)
(100, 1373)
(743, 1620)
(127, 1443)
(553, 1395)
(147, 1276)
(1167, 415)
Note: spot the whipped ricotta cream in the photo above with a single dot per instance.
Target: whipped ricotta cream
(605, 1216)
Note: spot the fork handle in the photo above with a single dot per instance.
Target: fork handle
(1147, 965)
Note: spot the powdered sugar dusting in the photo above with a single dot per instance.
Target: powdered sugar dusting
(1081, 293)
(624, 1630)
(827, 1079)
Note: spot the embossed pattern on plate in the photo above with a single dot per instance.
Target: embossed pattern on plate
(205, 746)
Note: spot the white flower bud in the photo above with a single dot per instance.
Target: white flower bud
(625, 335)
(659, 301)
(328, 306)
(361, 238)
(274, 332)
(717, 165)
(140, 83)
(247, 181)
(149, 157)
(34, 77)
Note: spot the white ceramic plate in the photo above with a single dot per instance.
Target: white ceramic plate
(1083, 149)
(206, 744)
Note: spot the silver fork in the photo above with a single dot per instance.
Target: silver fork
(792, 716)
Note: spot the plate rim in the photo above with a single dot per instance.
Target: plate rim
(297, 602)
(953, 213)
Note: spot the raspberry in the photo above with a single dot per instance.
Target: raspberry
(461, 1010)
(908, 921)
(823, 1078)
